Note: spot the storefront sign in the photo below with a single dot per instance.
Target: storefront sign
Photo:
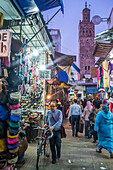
(92, 90)
(45, 74)
(5, 42)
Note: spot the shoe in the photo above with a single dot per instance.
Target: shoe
(111, 155)
(53, 161)
(94, 141)
(72, 134)
(99, 151)
(76, 135)
(89, 137)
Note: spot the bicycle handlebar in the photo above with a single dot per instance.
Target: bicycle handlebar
(47, 131)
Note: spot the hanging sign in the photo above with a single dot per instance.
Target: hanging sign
(45, 74)
(5, 43)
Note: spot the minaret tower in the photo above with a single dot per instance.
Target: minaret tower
(86, 44)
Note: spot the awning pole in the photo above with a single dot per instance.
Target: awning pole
(43, 26)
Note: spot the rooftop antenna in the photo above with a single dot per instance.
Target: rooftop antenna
(86, 4)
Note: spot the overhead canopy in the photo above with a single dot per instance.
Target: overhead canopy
(100, 60)
(28, 7)
(48, 4)
(62, 76)
(102, 49)
(105, 36)
(64, 59)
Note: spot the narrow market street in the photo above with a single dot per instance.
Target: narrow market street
(77, 153)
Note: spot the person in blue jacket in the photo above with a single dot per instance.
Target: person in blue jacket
(104, 128)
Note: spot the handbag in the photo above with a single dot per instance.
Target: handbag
(13, 79)
(3, 113)
(63, 132)
(3, 98)
(23, 144)
(81, 126)
(3, 129)
(3, 146)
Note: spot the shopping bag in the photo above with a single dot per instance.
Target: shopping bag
(63, 132)
(81, 126)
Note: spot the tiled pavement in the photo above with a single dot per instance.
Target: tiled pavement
(78, 153)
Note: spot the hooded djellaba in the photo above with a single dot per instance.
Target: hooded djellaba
(104, 128)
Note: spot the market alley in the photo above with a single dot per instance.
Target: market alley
(78, 153)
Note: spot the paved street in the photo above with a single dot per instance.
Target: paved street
(77, 154)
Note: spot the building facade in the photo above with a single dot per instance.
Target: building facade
(56, 36)
(86, 44)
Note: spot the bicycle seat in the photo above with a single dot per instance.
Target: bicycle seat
(49, 134)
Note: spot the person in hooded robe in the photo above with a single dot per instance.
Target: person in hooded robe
(104, 128)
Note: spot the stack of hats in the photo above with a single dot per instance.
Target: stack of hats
(3, 133)
(14, 125)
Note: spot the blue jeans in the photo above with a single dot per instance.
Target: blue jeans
(75, 118)
(86, 128)
(55, 141)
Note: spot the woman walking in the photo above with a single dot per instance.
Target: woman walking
(87, 111)
(104, 128)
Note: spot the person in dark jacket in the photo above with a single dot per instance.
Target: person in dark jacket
(58, 104)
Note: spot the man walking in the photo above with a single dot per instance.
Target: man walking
(54, 121)
(76, 112)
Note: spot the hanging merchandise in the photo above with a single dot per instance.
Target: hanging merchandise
(105, 73)
(110, 67)
(101, 77)
(98, 78)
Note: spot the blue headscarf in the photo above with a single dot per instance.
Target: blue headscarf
(105, 108)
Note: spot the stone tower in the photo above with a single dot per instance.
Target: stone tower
(86, 44)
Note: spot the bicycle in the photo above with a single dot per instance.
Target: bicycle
(43, 143)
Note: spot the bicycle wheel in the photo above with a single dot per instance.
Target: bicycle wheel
(46, 148)
(39, 152)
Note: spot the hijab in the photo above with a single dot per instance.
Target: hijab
(89, 106)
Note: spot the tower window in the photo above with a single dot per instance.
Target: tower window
(85, 67)
(88, 67)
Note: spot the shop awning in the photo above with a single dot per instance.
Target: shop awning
(64, 59)
(44, 5)
(92, 90)
(63, 85)
(62, 76)
(105, 36)
(102, 49)
(28, 7)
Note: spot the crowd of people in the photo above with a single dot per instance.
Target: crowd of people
(94, 114)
